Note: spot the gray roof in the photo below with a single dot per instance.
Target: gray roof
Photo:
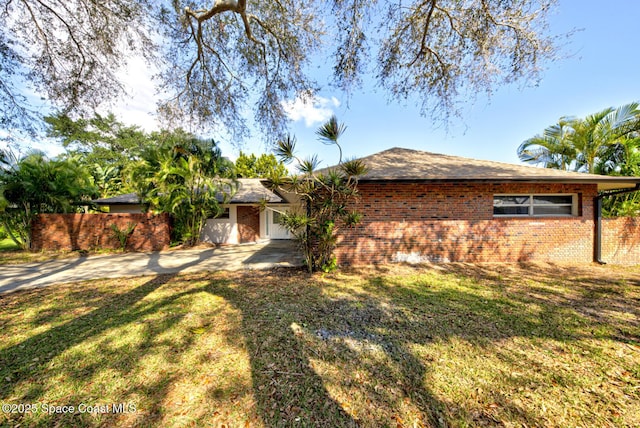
(126, 199)
(248, 191)
(414, 165)
(253, 191)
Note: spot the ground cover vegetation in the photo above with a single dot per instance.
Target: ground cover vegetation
(451, 345)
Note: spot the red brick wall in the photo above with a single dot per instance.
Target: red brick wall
(454, 222)
(621, 240)
(248, 224)
(93, 231)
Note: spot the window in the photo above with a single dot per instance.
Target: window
(277, 217)
(224, 215)
(534, 205)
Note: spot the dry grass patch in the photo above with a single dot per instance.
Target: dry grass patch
(451, 345)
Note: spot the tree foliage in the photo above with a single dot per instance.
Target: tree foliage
(599, 143)
(103, 140)
(189, 181)
(103, 144)
(108, 148)
(263, 166)
(606, 142)
(219, 60)
(67, 51)
(34, 185)
(326, 195)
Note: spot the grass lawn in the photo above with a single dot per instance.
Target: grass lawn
(10, 253)
(455, 345)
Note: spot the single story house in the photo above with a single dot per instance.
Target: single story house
(242, 221)
(426, 207)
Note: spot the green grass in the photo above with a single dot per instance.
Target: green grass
(457, 345)
(12, 254)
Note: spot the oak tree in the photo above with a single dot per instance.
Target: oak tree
(220, 59)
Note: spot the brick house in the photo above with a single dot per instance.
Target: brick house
(426, 207)
(419, 206)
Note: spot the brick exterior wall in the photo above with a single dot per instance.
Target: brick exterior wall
(92, 231)
(454, 222)
(621, 240)
(248, 223)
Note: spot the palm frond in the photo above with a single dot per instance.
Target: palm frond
(354, 168)
(285, 149)
(309, 165)
(331, 131)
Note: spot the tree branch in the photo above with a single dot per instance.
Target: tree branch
(425, 32)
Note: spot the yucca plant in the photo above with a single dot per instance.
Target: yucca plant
(326, 195)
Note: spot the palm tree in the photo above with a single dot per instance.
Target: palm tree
(554, 148)
(188, 179)
(36, 184)
(599, 133)
(327, 194)
(597, 143)
(621, 129)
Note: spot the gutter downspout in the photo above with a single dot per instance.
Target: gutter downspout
(598, 235)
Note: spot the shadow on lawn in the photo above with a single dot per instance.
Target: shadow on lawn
(313, 356)
(287, 390)
(345, 359)
(353, 349)
(566, 288)
(28, 362)
(30, 357)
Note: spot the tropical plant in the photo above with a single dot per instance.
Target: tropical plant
(553, 149)
(327, 195)
(36, 184)
(123, 235)
(606, 142)
(598, 133)
(188, 181)
(108, 179)
(264, 166)
(593, 144)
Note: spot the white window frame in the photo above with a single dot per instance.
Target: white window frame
(531, 205)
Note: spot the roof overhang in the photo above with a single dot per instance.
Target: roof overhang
(604, 183)
(246, 191)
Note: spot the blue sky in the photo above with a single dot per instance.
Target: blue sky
(600, 70)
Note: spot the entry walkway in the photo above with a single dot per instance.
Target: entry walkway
(263, 255)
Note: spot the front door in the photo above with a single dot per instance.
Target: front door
(274, 229)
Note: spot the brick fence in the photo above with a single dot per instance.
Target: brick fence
(93, 231)
(621, 240)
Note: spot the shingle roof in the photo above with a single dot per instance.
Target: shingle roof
(126, 199)
(406, 164)
(249, 191)
(252, 191)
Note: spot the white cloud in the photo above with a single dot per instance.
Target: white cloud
(138, 105)
(312, 109)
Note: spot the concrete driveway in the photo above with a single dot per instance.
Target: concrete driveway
(234, 257)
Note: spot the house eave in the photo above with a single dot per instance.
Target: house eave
(605, 184)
